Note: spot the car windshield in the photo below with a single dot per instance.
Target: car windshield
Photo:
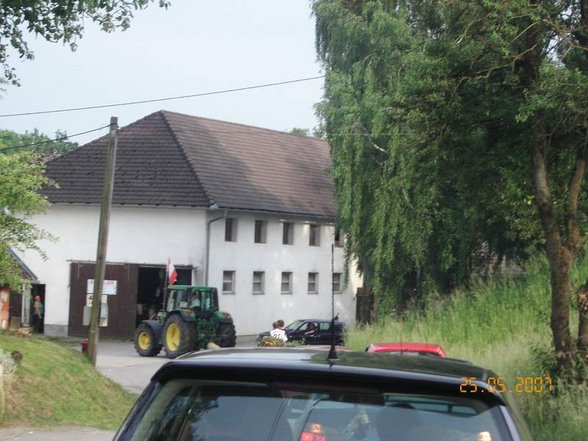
(294, 325)
(192, 410)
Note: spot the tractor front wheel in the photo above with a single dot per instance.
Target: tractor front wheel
(146, 343)
(179, 336)
(227, 335)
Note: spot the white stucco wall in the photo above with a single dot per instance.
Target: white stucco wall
(148, 235)
(254, 313)
(142, 235)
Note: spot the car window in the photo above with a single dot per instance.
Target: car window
(192, 410)
(305, 326)
(292, 326)
(325, 326)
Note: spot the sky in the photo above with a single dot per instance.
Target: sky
(194, 46)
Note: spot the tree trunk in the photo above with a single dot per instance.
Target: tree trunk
(560, 258)
(560, 315)
(583, 323)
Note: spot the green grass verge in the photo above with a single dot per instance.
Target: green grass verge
(57, 385)
(499, 324)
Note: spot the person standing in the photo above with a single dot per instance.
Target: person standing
(38, 311)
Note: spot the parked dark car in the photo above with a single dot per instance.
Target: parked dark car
(288, 394)
(311, 332)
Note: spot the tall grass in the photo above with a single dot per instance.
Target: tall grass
(54, 384)
(498, 323)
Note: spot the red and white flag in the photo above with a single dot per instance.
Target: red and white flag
(172, 274)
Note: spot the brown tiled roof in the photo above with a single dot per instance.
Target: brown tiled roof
(172, 159)
(151, 169)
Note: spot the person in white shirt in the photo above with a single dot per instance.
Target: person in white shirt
(278, 331)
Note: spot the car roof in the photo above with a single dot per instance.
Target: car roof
(311, 364)
(317, 320)
(310, 355)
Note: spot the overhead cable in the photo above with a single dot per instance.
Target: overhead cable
(154, 100)
(62, 138)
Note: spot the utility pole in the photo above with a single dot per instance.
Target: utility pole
(102, 241)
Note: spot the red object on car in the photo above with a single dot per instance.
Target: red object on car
(407, 347)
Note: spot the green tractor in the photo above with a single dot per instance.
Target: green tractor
(190, 322)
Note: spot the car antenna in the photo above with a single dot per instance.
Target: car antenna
(333, 357)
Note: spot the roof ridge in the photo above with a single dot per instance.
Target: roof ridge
(247, 125)
(123, 128)
(183, 151)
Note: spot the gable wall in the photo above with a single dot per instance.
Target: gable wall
(140, 235)
(152, 235)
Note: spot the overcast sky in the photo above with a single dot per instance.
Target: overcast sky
(194, 46)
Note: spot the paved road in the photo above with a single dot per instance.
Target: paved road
(118, 361)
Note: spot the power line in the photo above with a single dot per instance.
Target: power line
(62, 138)
(154, 100)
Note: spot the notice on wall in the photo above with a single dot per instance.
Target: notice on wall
(90, 296)
(108, 288)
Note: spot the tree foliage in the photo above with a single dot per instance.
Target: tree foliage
(439, 114)
(58, 21)
(36, 141)
(298, 131)
(22, 179)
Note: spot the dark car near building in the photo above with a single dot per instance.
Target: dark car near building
(288, 394)
(311, 332)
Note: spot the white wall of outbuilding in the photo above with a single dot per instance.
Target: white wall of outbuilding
(151, 235)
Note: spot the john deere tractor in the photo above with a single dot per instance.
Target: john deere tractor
(191, 321)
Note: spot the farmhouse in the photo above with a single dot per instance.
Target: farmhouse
(248, 210)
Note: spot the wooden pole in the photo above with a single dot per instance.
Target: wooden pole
(102, 241)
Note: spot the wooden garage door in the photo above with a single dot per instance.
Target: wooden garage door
(121, 307)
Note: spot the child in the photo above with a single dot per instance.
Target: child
(278, 331)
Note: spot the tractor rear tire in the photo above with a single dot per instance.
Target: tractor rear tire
(227, 335)
(179, 336)
(146, 343)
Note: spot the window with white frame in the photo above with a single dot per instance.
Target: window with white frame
(337, 283)
(313, 283)
(286, 287)
(230, 229)
(260, 231)
(258, 282)
(314, 235)
(288, 233)
(228, 282)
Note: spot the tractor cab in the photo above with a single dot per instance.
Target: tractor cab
(198, 299)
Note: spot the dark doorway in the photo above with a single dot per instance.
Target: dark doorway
(184, 276)
(15, 309)
(149, 293)
(37, 290)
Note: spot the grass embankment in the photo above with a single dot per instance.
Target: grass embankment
(56, 385)
(499, 324)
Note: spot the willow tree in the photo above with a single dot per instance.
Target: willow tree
(459, 130)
